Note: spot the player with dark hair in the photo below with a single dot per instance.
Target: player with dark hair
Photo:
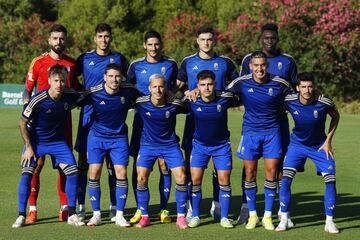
(42, 129)
(109, 135)
(279, 64)
(139, 73)
(158, 139)
(308, 140)
(92, 66)
(225, 71)
(262, 95)
(211, 140)
(38, 76)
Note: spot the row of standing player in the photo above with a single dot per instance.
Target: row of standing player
(279, 64)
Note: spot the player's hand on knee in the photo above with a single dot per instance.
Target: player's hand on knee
(327, 148)
(27, 156)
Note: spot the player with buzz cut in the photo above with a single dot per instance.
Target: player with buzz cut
(109, 135)
(42, 129)
(279, 64)
(158, 139)
(38, 77)
(139, 72)
(308, 140)
(262, 95)
(211, 140)
(225, 71)
(92, 66)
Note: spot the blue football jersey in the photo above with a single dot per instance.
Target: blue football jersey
(224, 69)
(282, 65)
(211, 118)
(47, 117)
(110, 111)
(140, 71)
(262, 102)
(92, 67)
(159, 122)
(309, 129)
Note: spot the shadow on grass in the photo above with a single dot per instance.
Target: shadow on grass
(307, 210)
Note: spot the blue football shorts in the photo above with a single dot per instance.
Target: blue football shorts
(253, 147)
(297, 154)
(221, 154)
(170, 153)
(118, 149)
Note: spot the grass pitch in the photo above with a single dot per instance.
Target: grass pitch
(307, 206)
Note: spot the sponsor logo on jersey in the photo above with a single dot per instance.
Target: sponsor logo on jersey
(316, 114)
(250, 90)
(68, 69)
(148, 114)
(280, 65)
(218, 108)
(167, 114)
(122, 99)
(226, 195)
(27, 112)
(163, 70)
(166, 190)
(216, 66)
(48, 111)
(195, 68)
(270, 92)
(93, 198)
(102, 103)
(66, 106)
(199, 109)
(30, 77)
(91, 63)
(330, 167)
(143, 71)
(296, 112)
(112, 60)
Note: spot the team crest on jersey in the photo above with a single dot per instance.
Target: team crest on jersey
(316, 114)
(122, 100)
(279, 65)
(167, 114)
(270, 92)
(218, 108)
(112, 60)
(163, 70)
(66, 106)
(216, 66)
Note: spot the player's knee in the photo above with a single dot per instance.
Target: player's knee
(288, 173)
(164, 170)
(27, 171)
(224, 180)
(70, 170)
(329, 178)
(142, 180)
(250, 174)
(180, 178)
